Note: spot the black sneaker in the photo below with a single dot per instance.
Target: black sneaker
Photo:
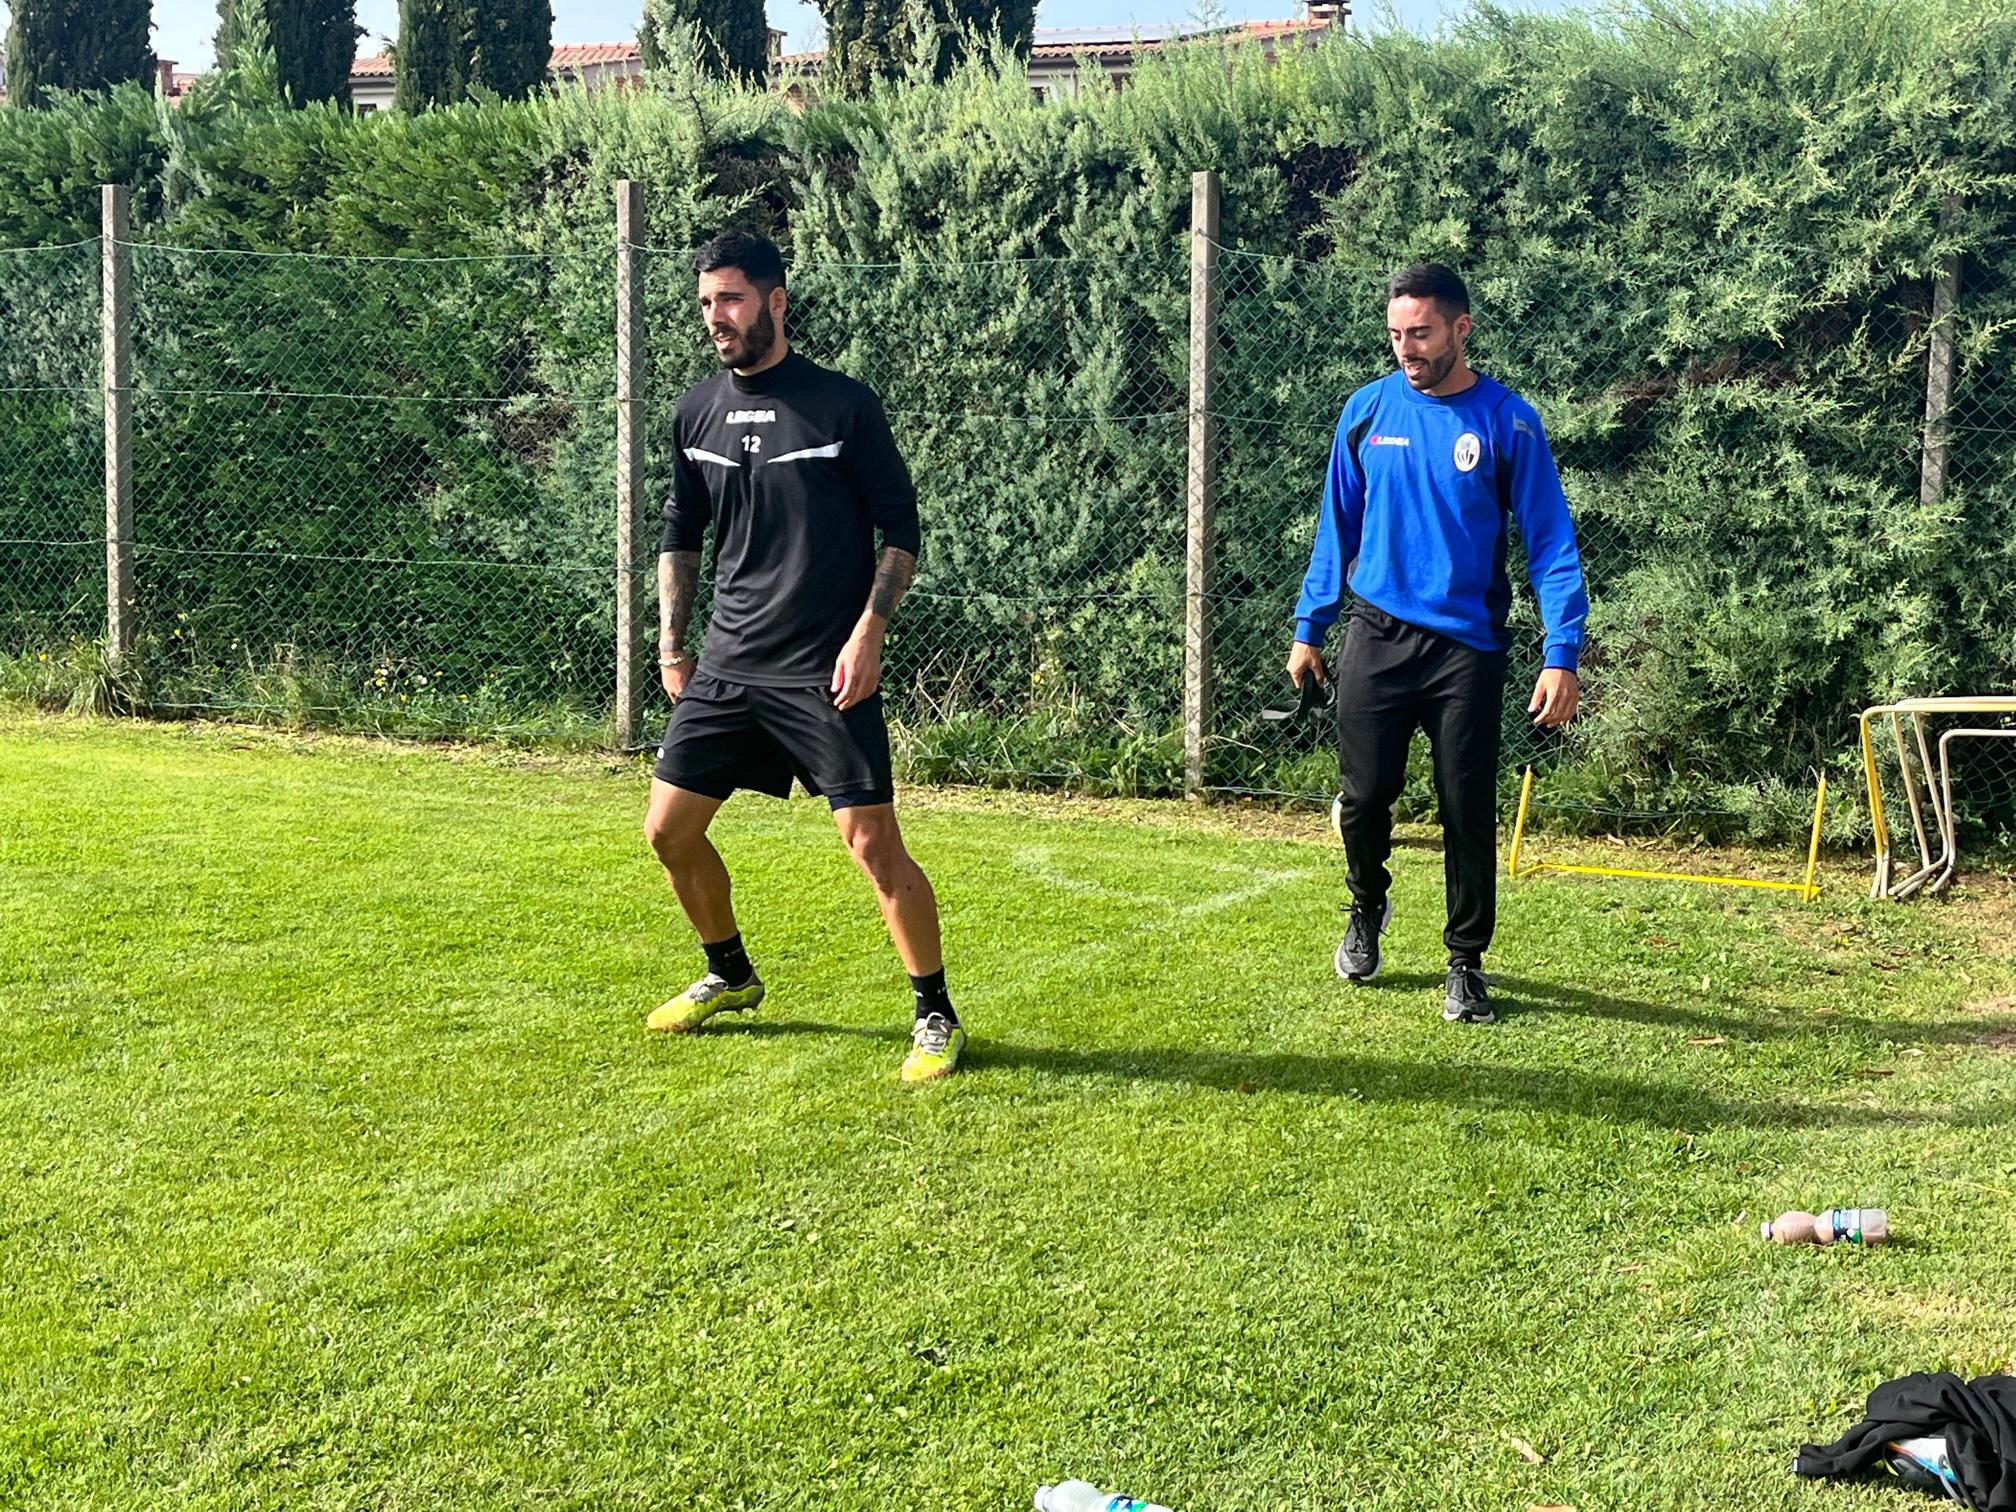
(1358, 954)
(1466, 1000)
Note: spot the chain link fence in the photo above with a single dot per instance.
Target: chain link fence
(368, 493)
(52, 483)
(1963, 764)
(378, 493)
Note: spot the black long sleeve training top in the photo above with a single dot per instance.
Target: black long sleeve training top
(796, 470)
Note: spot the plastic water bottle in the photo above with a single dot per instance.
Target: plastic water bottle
(1835, 1226)
(1083, 1496)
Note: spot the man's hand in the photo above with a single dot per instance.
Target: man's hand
(857, 672)
(1305, 661)
(675, 669)
(1556, 697)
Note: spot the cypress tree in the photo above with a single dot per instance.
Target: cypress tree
(75, 44)
(734, 36)
(1014, 20)
(865, 41)
(430, 61)
(314, 42)
(870, 39)
(513, 45)
(446, 47)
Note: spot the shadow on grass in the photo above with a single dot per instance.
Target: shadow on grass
(1368, 1078)
(1514, 996)
(1741, 1019)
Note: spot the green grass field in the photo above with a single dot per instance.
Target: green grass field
(339, 1172)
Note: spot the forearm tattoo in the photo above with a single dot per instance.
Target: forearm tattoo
(893, 573)
(678, 584)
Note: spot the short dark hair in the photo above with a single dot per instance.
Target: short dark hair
(1431, 281)
(755, 254)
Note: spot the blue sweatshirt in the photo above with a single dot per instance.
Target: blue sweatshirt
(1417, 506)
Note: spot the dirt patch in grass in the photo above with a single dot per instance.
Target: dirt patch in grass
(1988, 910)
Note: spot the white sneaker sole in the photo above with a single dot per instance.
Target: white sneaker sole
(1451, 1015)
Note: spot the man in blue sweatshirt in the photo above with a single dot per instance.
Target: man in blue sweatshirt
(1431, 468)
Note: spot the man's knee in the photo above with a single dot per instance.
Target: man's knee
(1361, 797)
(1467, 798)
(659, 835)
(673, 843)
(1354, 802)
(878, 850)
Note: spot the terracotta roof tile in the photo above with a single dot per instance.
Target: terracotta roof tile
(1280, 28)
(587, 54)
(569, 56)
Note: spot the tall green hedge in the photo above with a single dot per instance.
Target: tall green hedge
(1701, 238)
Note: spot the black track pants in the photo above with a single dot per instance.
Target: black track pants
(1394, 678)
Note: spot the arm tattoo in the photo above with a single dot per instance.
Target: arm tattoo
(678, 583)
(893, 572)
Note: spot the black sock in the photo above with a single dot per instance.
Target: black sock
(729, 961)
(932, 996)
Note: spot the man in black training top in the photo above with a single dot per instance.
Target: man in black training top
(794, 467)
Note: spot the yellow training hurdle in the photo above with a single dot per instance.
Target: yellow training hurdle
(1808, 890)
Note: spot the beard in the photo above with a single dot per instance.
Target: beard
(1433, 370)
(751, 346)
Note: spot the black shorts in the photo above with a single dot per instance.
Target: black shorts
(725, 736)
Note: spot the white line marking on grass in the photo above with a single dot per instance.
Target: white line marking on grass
(1074, 958)
(1039, 862)
(1263, 883)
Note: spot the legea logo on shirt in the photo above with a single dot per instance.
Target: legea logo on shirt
(1376, 440)
(752, 417)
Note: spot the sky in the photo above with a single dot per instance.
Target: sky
(183, 28)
